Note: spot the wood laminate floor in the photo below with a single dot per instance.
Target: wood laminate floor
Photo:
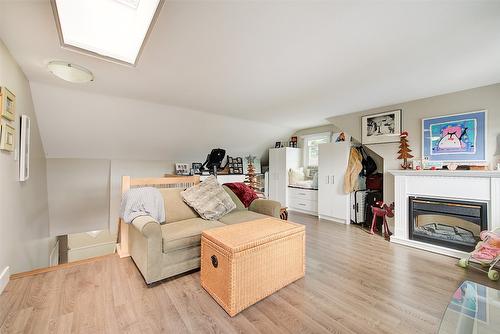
(355, 283)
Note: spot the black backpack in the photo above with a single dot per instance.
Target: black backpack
(369, 165)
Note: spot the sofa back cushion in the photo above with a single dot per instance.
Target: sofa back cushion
(236, 200)
(175, 207)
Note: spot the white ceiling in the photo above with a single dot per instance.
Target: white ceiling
(287, 63)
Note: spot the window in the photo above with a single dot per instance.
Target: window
(311, 149)
(111, 29)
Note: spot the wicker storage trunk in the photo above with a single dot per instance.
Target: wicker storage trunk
(244, 263)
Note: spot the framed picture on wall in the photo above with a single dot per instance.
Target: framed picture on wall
(455, 138)
(7, 104)
(24, 149)
(381, 128)
(7, 137)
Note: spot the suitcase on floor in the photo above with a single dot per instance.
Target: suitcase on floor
(358, 207)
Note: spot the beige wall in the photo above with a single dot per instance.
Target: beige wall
(487, 97)
(85, 194)
(78, 195)
(24, 215)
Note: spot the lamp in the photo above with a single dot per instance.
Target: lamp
(70, 72)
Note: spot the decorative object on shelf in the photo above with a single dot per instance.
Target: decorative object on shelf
(7, 137)
(452, 166)
(293, 141)
(432, 165)
(7, 104)
(381, 128)
(24, 151)
(235, 165)
(455, 138)
(277, 144)
(196, 168)
(340, 137)
(182, 169)
(251, 179)
(214, 161)
(404, 151)
(416, 164)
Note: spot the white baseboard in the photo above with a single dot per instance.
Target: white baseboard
(4, 278)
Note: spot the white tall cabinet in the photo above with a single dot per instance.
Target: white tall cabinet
(280, 161)
(333, 203)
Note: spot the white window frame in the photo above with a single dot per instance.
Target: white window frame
(314, 136)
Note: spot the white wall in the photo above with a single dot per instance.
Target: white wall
(487, 97)
(77, 124)
(85, 194)
(24, 214)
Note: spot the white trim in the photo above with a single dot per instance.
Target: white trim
(4, 278)
(317, 135)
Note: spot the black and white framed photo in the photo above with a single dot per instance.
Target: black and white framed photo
(196, 168)
(24, 151)
(182, 169)
(381, 128)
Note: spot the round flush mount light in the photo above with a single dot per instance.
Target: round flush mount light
(70, 72)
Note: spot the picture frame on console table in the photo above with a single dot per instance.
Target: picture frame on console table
(381, 128)
(457, 138)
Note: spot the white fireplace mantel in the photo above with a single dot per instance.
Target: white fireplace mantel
(477, 186)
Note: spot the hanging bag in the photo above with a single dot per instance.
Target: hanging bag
(369, 165)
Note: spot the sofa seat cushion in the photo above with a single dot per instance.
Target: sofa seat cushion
(185, 233)
(240, 216)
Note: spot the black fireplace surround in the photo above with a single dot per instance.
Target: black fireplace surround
(448, 223)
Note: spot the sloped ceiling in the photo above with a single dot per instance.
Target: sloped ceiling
(85, 125)
(291, 64)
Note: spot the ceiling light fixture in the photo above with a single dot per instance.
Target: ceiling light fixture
(70, 72)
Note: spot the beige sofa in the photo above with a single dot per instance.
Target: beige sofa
(162, 251)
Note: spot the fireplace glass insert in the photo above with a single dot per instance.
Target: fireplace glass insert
(447, 223)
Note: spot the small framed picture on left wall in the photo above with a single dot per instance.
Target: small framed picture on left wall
(7, 137)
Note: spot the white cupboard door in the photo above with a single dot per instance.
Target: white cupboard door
(325, 163)
(333, 160)
(340, 206)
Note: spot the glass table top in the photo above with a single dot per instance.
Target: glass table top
(473, 309)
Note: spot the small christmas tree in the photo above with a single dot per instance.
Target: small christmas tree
(251, 179)
(404, 150)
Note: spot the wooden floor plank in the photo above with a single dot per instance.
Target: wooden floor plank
(355, 283)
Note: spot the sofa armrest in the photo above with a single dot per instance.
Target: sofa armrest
(266, 207)
(148, 226)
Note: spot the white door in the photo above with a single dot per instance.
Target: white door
(333, 203)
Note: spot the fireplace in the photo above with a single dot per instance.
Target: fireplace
(448, 223)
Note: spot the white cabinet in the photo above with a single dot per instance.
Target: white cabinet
(333, 203)
(303, 200)
(280, 161)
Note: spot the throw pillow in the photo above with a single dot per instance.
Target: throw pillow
(209, 199)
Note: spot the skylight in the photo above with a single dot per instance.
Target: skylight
(113, 29)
